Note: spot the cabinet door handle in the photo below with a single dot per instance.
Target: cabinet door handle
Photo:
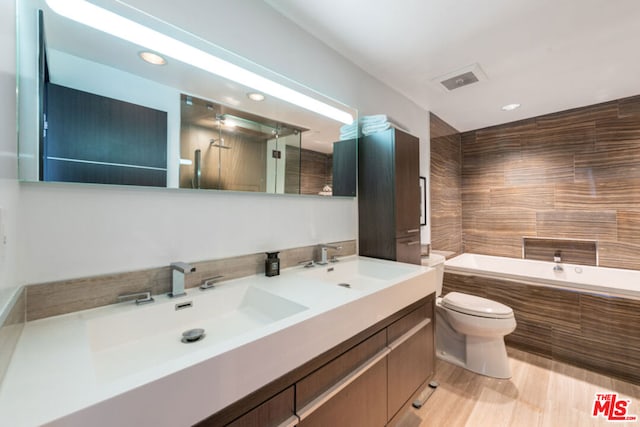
(411, 332)
(411, 243)
(341, 385)
(415, 230)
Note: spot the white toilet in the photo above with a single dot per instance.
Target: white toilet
(470, 330)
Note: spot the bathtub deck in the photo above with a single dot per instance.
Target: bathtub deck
(541, 392)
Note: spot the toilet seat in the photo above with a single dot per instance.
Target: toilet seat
(476, 306)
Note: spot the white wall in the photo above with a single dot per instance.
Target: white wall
(72, 230)
(9, 189)
(256, 31)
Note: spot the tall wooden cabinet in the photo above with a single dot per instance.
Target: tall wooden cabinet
(389, 196)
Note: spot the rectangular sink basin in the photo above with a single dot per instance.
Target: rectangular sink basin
(359, 274)
(140, 336)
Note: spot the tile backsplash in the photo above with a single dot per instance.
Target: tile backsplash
(65, 296)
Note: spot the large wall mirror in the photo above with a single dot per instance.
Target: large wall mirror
(108, 94)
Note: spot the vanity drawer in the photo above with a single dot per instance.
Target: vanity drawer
(277, 411)
(405, 324)
(325, 377)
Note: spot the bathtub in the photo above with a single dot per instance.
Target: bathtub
(594, 280)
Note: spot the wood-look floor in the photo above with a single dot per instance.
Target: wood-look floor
(541, 392)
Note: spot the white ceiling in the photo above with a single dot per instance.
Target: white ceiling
(548, 55)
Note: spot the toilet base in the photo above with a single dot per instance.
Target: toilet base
(480, 354)
(485, 358)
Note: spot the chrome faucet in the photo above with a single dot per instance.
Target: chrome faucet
(210, 282)
(557, 259)
(323, 254)
(141, 297)
(178, 271)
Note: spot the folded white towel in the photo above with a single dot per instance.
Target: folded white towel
(376, 127)
(377, 118)
(368, 130)
(348, 128)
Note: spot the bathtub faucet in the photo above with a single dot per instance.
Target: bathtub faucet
(557, 259)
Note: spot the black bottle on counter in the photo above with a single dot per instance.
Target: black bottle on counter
(272, 264)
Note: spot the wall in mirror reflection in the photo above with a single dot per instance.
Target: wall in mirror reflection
(290, 151)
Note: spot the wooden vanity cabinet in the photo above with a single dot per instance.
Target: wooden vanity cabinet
(389, 196)
(368, 380)
(351, 390)
(277, 411)
(411, 361)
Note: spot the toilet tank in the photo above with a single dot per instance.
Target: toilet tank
(436, 261)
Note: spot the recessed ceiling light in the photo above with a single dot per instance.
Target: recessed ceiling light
(255, 96)
(152, 58)
(510, 107)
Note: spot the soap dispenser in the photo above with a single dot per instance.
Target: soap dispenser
(272, 264)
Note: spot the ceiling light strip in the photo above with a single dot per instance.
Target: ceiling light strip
(111, 23)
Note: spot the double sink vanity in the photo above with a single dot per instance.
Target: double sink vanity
(308, 347)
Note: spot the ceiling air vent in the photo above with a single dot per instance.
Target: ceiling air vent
(460, 78)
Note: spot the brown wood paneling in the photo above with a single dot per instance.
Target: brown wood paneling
(617, 134)
(482, 171)
(540, 171)
(622, 194)
(571, 251)
(584, 159)
(629, 107)
(491, 244)
(315, 171)
(629, 226)
(549, 143)
(531, 197)
(619, 255)
(439, 128)
(595, 225)
(498, 232)
(613, 165)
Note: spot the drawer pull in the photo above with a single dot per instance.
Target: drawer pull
(341, 385)
(292, 421)
(415, 230)
(412, 243)
(411, 332)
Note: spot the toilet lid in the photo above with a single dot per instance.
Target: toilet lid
(476, 306)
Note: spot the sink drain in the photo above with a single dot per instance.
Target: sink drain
(344, 285)
(192, 335)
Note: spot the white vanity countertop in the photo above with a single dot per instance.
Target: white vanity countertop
(78, 369)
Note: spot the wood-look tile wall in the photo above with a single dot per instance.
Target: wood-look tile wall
(571, 175)
(66, 296)
(308, 171)
(445, 187)
(590, 331)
